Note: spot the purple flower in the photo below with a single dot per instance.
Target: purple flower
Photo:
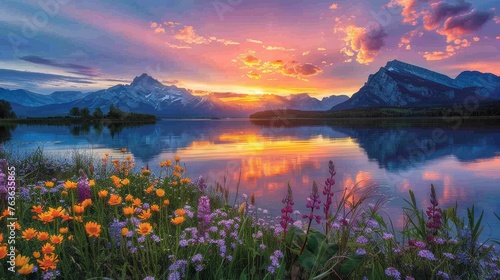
(262, 246)
(204, 211)
(426, 254)
(149, 278)
(197, 258)
(362, 240)
(287, 210)
(84, 191)
(201, 184)
(361, 252)
(449, 256)
(313, 202)
(387, 236)
(183, 243)
(443, 275)
(392, 272)
(327, 191)
(433, 215)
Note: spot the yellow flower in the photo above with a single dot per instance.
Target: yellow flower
(103, 193)
(63, 230)
(160, 192)
(129, 197)
(116, 181)
(46, 249)
(114, 199)
(146, 172)
(145, 214)
(36, 254)
(124, 231)
(45, 217)
(48, 262)
(155, 208)
(29, 234)
(71, 237)
(130, 210)
(21, 260)
(70, 185)
(56, 212)
(56, 239)
(49, 184)
(178, 220)
(177, 158)
(3, 251)
(93, 229)
(78, 209)
(150, 189)
(128, 158)
(43, 235)
(78, 219)
(180, 212)
(92, 183)
(125, 181)
(26, 269)
(87, 202)
(144, 228)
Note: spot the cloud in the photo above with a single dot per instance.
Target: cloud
(173, 46)
(153, 24)
(170, 82)
(254, 41)
(275, 48)
(75, 68)
(249, 59)
(321, 49)
(306, 53)
(456, 27)
(298, 70)
(253, 75)
(497, 19)
(366, 44)
(226, 42)
(441, 11)
(188, 35)
(25, 79)
(450, 50)
(410, 12)
(408, 37)
(333, 6)
(160, 30)
(438, 55)
(476, 39)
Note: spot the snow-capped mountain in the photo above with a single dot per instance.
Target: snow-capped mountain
(399, 84)
(147, 95)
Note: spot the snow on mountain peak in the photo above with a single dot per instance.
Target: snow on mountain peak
(145, 81)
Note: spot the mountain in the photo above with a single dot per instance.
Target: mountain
(399, 84)
(147, 95)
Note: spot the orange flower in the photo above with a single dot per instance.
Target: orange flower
(103, 193)
(64, 192)
(70, 185)
(155, 208)
(129, 198)
(71, 237)
(87, 202)
(92, 183)
(128, 158)
(114, 199)
(29, 234)
(18, 226)
(93, 229)
(37, 209)
(26, 269)
(145, 172)
(145, 214)
(46, 217)
(130, 210)
(5, 213)
(3, 251)
(56, 212)
(180, 212)
(150, 189)
(166, 202)
(43, 235)
(78, 209)
(1, 238)
(63, 230)
(56, 239)
(124, 231)
(160, 192)
(21, 260)
(116, 181)
(49, 184)
(78, 219)
(66, 217)
(124, 150)
(177, 158)
(187, 180)
(178, 220)
(47, 249)
(48, 262)
(178, 168)
(137, 202)
(174, 183)
(36, 254)
(144, 228)
(125, 182)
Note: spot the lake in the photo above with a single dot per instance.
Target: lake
(462, 162)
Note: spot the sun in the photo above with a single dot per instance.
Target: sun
(259, 92)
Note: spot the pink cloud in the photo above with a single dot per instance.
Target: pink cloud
(458, 26)
(365, 44)
(440, 11)
(188, 35)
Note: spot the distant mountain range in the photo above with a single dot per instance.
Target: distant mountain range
(399, 84)
(147, 95)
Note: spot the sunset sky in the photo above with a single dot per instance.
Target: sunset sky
(258, 46)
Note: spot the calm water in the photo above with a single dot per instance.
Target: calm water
(463, 163)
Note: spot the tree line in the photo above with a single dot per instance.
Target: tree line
(114, 113)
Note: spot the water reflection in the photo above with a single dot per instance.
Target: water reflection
(463, 168)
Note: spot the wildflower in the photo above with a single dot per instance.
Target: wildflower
(92, 183)
(103, 193)
(137, 202)
(125, 182)
(78, 209)
(57, 212)
(313, 202)
(87, 202)
(327, 191)
(42, 236)
(124, 231)
(160, 192)
(37, 209)
(70, 185)
(204, 213)
(155, 208)
(387, 236)
(145, 172)
(433, 214)
(144, 228)
(124, 150)
(47, 249)
(21, 260)
(178, 220)
(443, 274)
(130, 210)
(36, 254)
(48, 262)
(177, 158)
(49, 184)
(45, 217)
(29, 234)
(166, 202)
(145, 214)
(426, 254)
(361, 252)
(287, 210)
(149, 278)
(449, 256)
(3, 251)
(392, 272)
(93, 229)
(56, 239)
(362, 240)
(63, 230)
(114, 199)
(84, 191)
(180, 212)
(26, 269)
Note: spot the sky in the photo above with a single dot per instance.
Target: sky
(255, 47)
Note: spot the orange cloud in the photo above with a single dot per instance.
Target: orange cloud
(298, 70)
(275, 48)
(305, 53)
(333, 6)
(438, 55)
(249, 59)
(160, 30)
(254, 41)
(177, 46)
(188, 35)
(253, 75)
(321, 49)
(410, 10)
(366, 44)
(458, 26)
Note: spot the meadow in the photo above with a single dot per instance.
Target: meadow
(83, 217)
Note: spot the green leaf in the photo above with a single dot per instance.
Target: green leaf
(307, 260)
(243, 275)
(351, 264)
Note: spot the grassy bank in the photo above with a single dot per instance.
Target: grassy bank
(83, 218)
